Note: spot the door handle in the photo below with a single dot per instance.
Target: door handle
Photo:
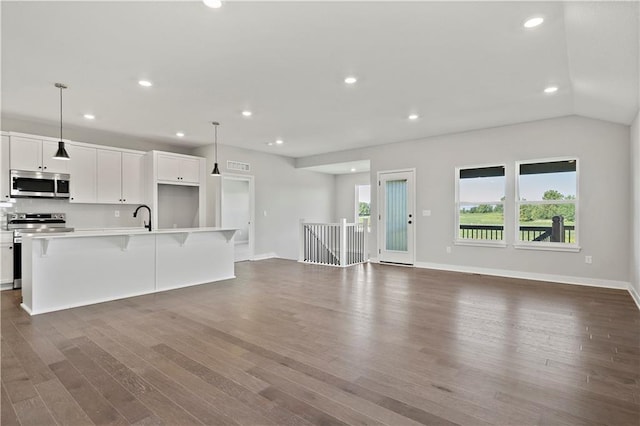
(409, 222)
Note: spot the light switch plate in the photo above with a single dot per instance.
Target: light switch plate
(426, 212)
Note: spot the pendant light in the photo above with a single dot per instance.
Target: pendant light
(61, 153)
(215, 171)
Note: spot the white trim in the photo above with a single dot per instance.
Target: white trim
(380, 224)
(456, 230)
(264, 256)
(562, 279)
(480, 243)
(26, 308)
(6, 286)
(548, 247)
(517, 203)
(252, 215)
(634, 295)
(356, 203)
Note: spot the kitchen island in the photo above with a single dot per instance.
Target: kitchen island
(62, 271)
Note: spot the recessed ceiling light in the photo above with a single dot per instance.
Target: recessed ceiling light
(353, 170)
(247, 113)
(89, 116)
(145, 83)
(350, 80)
(533, 22)
(413, 116)
(269, 143)
(214, 4)
(279, 142)
(180, 134)
(551, 89)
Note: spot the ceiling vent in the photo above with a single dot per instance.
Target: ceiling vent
(238, 166)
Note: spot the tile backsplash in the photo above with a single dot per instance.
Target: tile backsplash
(80, 216)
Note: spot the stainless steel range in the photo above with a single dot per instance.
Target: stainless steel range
(31, 223)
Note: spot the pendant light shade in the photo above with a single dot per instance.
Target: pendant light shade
(216, 170)
(61, 153)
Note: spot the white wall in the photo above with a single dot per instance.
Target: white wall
(635, 207)
(345, 195)
(285, 193)
(602, 149)
(177, 207)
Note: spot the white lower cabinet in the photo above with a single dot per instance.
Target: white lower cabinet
(6, 256)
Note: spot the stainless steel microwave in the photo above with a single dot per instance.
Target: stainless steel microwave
(39, 184)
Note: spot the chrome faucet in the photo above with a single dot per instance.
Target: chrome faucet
(135, 214)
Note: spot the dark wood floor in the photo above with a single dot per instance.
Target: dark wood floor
(293, 344)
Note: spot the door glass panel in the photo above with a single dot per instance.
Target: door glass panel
(396, 215)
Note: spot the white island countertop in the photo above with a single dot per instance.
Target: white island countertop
(125, 231)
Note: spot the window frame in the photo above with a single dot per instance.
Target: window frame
(476, 242)
(356, 203)
(549, 246)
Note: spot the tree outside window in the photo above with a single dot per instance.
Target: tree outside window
(547, 202)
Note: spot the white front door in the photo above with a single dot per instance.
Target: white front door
(237, 212)
(396, 216)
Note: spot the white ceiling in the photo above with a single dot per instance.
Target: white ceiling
(360, 166)
(460, 65)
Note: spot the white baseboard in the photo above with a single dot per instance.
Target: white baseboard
(6, 286)
(264, 256)
(634, 295)
(563, 279)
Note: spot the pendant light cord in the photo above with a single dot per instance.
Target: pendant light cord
(216, 144)
(60, 113)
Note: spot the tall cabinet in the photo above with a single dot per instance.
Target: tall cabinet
(167, 173)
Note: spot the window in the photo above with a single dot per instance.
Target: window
(546, 204)
(480, 205)
(363, 203)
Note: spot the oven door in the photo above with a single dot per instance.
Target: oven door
(32, 184)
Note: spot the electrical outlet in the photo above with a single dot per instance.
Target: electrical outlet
(448, 249)
(588, 260)
(117, 213)
(265, 213)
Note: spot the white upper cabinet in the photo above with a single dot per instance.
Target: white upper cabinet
(35, 155)
(132, 178)
(178, 169)
(109, 176)
(190, 170)
(120, 177)
(82, 167)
